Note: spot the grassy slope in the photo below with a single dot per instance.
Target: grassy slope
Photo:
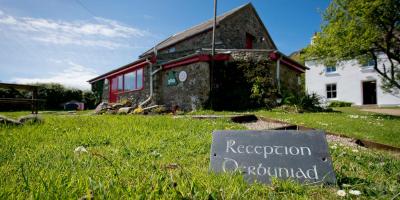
(349, 121)
(130, 157)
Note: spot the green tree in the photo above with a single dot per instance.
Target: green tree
(361, 29)
(89, 98)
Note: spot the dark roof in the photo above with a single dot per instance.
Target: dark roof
(203, 27)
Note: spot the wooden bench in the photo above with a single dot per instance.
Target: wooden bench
(34, 101)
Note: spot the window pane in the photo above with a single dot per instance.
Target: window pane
(139, 80)
(331, 69)
(129, 81)
(120, 83)
(331, 91)
(114, 84)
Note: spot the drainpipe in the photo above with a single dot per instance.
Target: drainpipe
(278, 75)
(151, 74)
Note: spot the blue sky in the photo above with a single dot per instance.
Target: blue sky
(71, 41)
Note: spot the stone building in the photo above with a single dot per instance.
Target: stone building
(180, 70)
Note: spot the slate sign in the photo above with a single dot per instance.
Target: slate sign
(261, 155)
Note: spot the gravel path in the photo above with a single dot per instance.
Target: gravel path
(263, 125)
(394, 112)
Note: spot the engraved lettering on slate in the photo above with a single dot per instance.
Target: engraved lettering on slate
(262, 155)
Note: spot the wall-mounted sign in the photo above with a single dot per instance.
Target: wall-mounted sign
(182, 76)
(261, 155)
(171, 79)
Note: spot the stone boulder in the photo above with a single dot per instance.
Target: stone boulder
(117, 106)
(125, 110)
(101, 108)
(31, 119)
(112, 112)
(8, 121)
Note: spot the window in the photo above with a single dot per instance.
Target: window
(139, 79)
(171, 50)
(129, 81)
(330, 69)
(120, 83)
(369, 63)
(249, 41)
(114, 84)
(331, 91)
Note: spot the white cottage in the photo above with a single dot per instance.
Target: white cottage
(349, 81)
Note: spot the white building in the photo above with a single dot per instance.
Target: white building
(349, 81)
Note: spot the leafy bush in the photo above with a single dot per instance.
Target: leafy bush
(339, 104)
(304, 102)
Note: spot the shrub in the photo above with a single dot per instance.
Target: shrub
(304, 102)
(339, 104)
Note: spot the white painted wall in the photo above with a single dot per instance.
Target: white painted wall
(348, 77)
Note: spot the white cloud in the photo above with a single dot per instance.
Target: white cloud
(74, 75)
(99, 32)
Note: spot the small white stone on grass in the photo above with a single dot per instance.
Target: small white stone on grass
(354, 192)
(341, 193)
(346, 185)
(80, 149)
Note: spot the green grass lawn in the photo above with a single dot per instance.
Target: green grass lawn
(134, 157)
(348, 121)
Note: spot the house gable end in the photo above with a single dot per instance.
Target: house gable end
(235, 29)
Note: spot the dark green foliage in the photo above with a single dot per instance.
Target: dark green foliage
(304, 102)
(90, 99)
(55, 95)
(97, 89)
(340, 104)
(243, 84)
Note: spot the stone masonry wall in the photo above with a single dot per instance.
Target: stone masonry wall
(191, 94)
(289, 79)
(233, 31)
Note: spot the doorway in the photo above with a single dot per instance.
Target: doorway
(369, 92)
(113, 90)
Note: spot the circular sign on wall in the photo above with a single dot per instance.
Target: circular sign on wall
(182, 76)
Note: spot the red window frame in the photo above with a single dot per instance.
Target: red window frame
(249, 41)
(115, 82)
